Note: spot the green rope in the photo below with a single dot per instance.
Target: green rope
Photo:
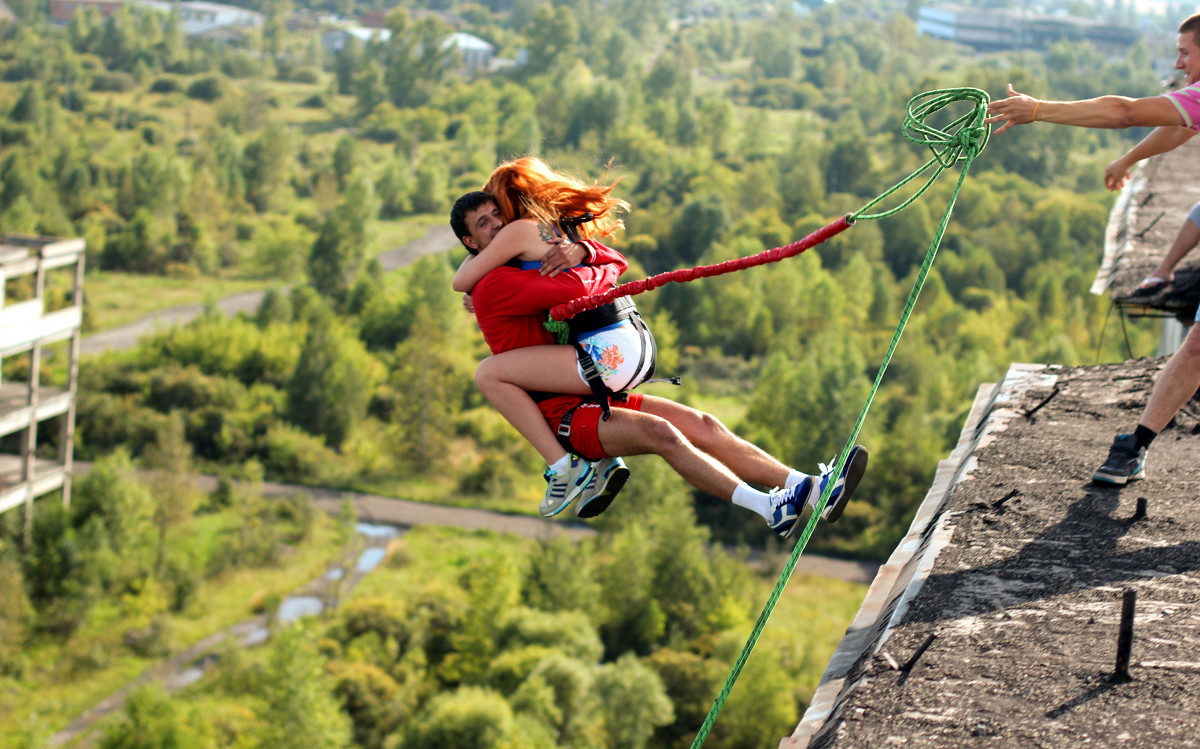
(949, 147)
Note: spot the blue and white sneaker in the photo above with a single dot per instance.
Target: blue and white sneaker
(847, 482)
(787, 505)
(807, 493)
(608, 479)
(563, 488)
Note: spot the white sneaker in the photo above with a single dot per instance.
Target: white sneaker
(563, 488)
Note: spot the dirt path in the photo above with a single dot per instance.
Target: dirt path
(404, 513)
(437, 239)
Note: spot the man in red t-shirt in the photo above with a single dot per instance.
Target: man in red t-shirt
(510, 306)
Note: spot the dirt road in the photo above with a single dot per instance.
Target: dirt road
(437, 239)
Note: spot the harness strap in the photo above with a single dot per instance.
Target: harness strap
(564, 430)
(592, 376)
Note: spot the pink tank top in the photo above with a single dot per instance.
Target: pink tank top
(1187, 101)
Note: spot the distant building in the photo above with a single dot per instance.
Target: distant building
(199, 18)
(375, 19)
(196, 18)
(476, 53)
(62, 11)
(334, 40)
(29, 327)
(994, 29)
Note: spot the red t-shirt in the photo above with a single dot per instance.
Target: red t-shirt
(511, 305)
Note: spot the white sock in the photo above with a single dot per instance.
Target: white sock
(752, 499)
(562, 465)
(794, 478)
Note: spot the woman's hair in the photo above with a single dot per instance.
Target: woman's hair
(527, 188)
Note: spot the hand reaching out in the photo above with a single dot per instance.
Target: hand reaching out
(1017, 109)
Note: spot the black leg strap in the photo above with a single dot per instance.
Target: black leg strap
(564, 430)
(592, 376)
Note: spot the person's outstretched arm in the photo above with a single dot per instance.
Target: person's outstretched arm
(1104, 112)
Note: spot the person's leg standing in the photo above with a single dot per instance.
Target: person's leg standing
(1176, 385)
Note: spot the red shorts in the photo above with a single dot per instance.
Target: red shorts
(584, 438)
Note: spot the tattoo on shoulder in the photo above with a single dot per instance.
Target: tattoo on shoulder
(546, 233)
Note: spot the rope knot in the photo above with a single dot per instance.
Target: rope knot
(960, 139)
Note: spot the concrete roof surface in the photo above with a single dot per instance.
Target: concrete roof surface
(995, 622)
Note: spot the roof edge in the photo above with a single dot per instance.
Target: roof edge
(903, 575)
(1117, 233)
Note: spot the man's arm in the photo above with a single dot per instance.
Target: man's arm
(528, 292)
(1161, 140)
(603, 255)
(1105, 112)
(564, 256)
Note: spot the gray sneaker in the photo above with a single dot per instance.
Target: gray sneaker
(607, 481)
(563, 488)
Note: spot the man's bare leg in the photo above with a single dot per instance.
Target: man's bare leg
(630, 432)
(747, 461)
(1176, 385)
(636, 433)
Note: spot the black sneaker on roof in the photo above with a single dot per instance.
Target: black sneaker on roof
(1126, 462)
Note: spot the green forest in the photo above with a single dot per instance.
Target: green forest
(266, 160)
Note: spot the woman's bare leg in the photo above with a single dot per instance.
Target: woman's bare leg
(506, 379)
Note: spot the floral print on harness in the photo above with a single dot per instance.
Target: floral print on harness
(607, 359)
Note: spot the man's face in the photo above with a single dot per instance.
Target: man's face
(482, 225)
(1189, 57)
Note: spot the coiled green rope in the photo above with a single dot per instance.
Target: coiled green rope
(961, 140)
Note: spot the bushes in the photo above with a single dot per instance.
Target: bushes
(208, 88)
(294, 456)
(165, 86)
(117, 82)
(474, 717)
(305, 74)
(369, 697)
(16, 615)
